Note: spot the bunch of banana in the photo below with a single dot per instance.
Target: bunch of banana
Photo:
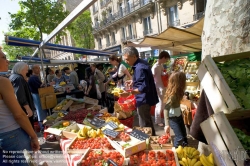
(62, 83)
(113, 119)
(116, 91)
(87, 132)
(187, 152)
(190, 162)
(207, 160)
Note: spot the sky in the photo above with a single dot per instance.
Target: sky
(6, 6)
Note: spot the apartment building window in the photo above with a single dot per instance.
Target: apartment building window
(144, 2)
(147, 26)
(110, 14)
(100, 43)
(124, 33)
(173, 16)
(128, 6)
(95, 8)
(121, 9)
(113, 38)
(96, 22)
(200, 6)
(130, 31)
(107, 41)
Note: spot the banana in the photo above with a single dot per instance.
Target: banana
(185, 161)
(211, 158)
(198, 163)
(98, 132)
(196, 152)
(182, 163)
(205, 161)
(79, 136)
(192, 151)
(189, 162)
(193, 161)
(179, 152)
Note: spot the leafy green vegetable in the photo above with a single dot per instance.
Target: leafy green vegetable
(237, 75)
(244, 139)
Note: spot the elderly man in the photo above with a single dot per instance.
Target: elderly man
(34, 84)
(72, 76)
(143, 86)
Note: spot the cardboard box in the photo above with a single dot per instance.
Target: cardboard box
(53, 130)
(223, 140)
(135, 146)
(54, 118)
(65, 107)
(76, 106)
(71, 135)
(152, 145)
(89, 100)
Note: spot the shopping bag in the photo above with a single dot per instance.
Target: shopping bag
(99, 95)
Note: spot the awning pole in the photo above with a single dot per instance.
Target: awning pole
(44, 76)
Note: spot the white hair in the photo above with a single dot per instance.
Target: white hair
(18, 67)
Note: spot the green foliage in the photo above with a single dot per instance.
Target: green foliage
(37, 17)
(237, 76)
(81, 31)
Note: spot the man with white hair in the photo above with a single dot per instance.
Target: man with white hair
(34, 84)
(22, 91)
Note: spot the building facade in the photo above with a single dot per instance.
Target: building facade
(117, 21)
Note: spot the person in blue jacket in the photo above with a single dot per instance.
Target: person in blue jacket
(143, 86)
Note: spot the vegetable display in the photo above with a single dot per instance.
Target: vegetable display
(237, 75)
(244, 139)
(79, 115)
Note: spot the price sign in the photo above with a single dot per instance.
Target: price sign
(139, 135)
(96, 122)
(111, 125)
(111, 162)
(110, 133)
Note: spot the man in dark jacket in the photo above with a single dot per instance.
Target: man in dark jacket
(143, 86)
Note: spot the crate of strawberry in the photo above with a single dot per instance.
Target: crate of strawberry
(160, 142)
(154, 157)
(80, 114)
(79, 145)
(101, 158)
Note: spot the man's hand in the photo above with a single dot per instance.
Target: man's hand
(167, 129)
(35, 144)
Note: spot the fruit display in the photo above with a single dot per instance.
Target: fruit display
(244, 139)
(88, 132)
(179, 64)
(117, 91)
(55, 116)
(61, 125)
(120, 114)
(60, 106)
(164, 139)
(192, 78)
(153, 158)
(100, 157)
(146, 130)
(79, 115)
(192, 67)
(104, 115)
(189, 156)
(237, 75)
(62, 83)
(124, 137)
(93, 143)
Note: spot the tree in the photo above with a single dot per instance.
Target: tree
(81, 31)
(37, 17)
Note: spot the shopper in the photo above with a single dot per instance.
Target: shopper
(91, 90)
(16, 132)
(143, 86)
(172, 112)
(99, 79)
(34, 84)
(73, 78)
(58, 78)
(158, 71)
(22, 90)
(121, 74)
(50, 75)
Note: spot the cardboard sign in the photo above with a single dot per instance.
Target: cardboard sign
(111, 162)
(110, 133)
(111, 125)
(139, 135)
(98, 123)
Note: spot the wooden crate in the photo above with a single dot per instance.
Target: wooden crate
(223, 140)
(217, 90)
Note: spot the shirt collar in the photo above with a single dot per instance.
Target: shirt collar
(136, 62)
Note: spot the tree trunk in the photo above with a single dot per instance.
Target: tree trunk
(226, 27)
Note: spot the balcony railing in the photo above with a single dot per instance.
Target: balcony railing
(123, 12)
(131, 37)
(113, 43)
(147, 31)
(197, 16)
(174, 23)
